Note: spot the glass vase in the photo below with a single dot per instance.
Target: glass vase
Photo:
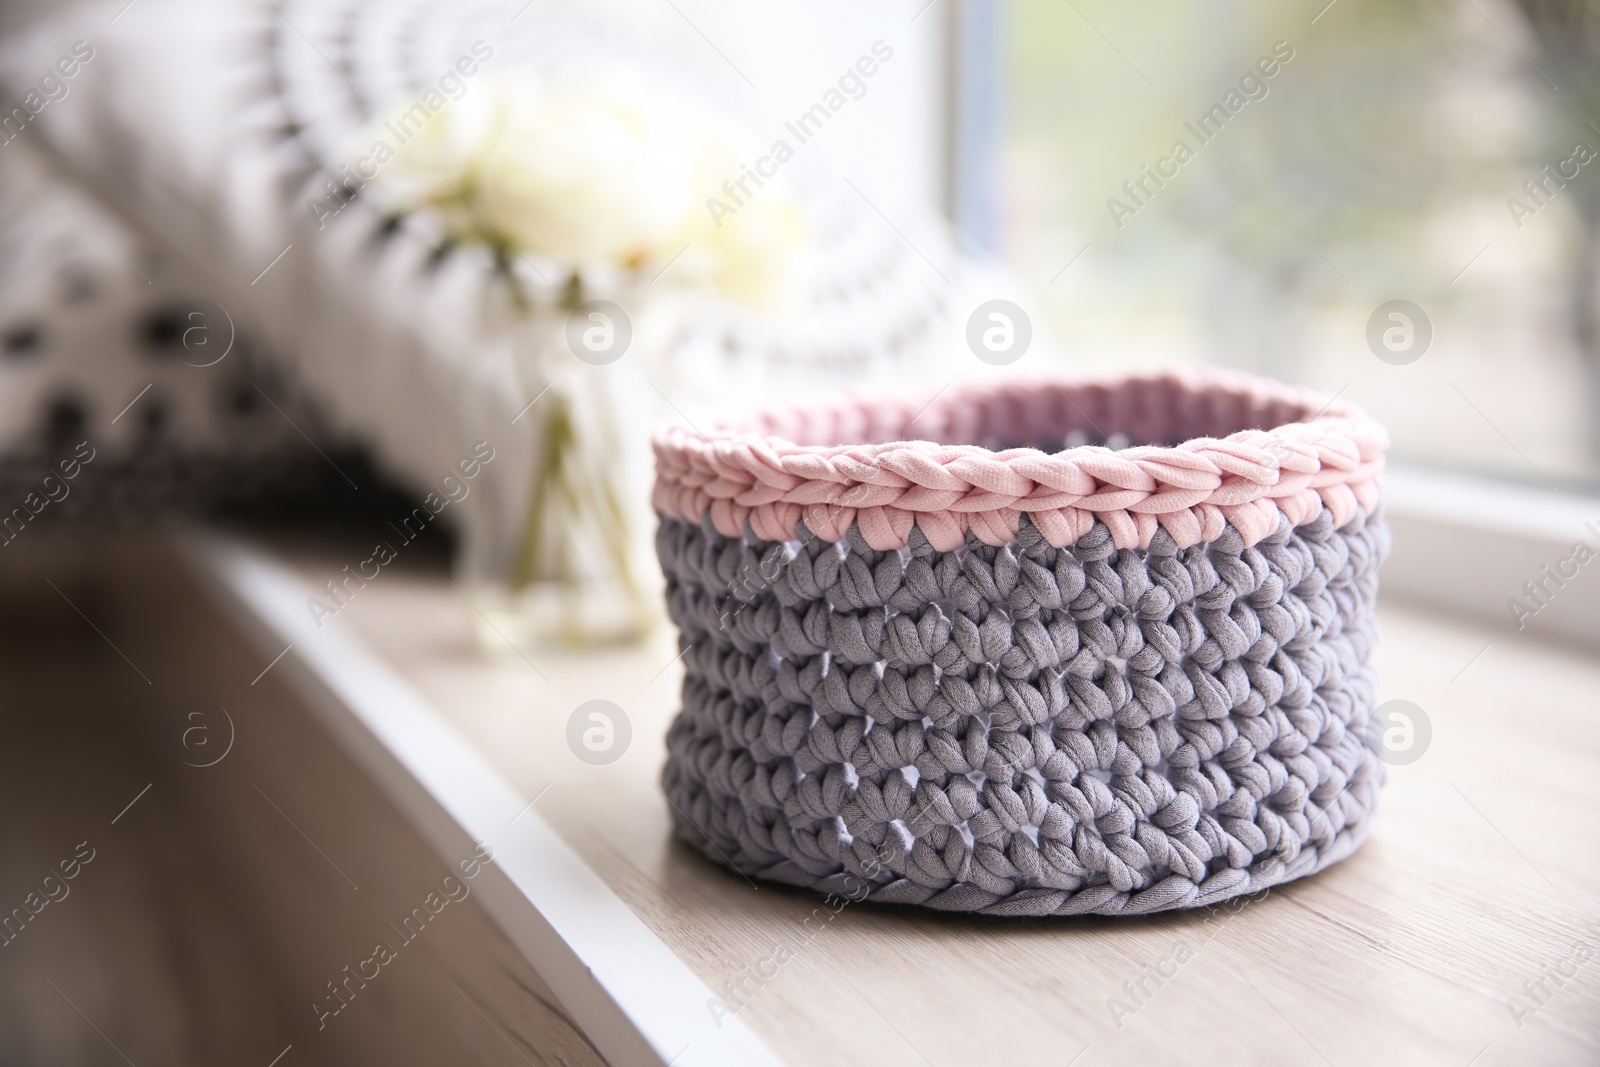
(566, 559)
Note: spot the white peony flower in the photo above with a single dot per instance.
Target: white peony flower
(753, 254)
(598, 168)
(754, 257)
(593, 167)
(442, 150)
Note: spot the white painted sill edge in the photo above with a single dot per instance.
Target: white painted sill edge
(635, 1000)
(1470, 545)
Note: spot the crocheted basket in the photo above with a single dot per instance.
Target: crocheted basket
(981, 671)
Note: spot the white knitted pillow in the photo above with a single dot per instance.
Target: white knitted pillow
(215, 129)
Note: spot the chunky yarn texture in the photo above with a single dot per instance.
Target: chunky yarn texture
(1028, 728)
(988, 456)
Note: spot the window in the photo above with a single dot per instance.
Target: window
(1252, 184)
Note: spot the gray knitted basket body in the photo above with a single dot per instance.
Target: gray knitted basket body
(1026, 728)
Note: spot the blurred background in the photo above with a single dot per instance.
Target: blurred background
(1389, 158)
(219, 302)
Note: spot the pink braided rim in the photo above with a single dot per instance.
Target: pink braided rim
(781, 467)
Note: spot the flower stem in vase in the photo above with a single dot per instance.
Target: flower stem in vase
(571, 576)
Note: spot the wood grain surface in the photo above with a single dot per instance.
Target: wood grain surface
(1449, 938)
(240, 880)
